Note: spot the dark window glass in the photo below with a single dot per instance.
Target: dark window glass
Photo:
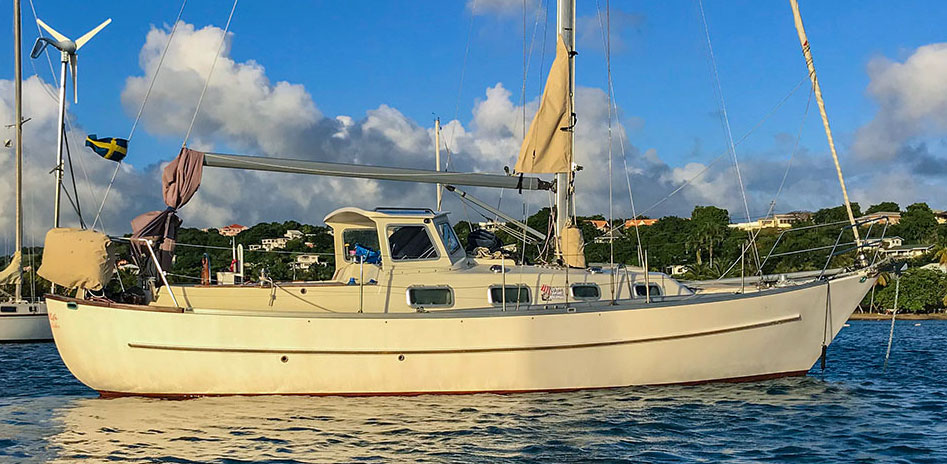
(586, 292)
(7, 309)
(367, 239)
(433, 296)
(641, 291)
(411, 242)
(451, 242)
(514, 294)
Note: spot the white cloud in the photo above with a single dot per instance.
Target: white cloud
(912, 100)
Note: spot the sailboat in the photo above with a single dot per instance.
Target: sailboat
(409, 311)
(20, 320)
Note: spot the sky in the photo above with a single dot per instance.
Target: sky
(363, 81)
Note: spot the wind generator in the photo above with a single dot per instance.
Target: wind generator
(68, 49)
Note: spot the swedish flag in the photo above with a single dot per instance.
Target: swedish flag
(108, 147)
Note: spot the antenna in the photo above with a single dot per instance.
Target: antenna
(68, 47)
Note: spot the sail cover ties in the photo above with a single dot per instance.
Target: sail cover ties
(179, 181)
(547, 147)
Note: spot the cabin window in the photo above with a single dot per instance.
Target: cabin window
(451, 242)
(515, 294)
(7, 309)
(427, 297)
(410, 243)
(363, 242)
(586, 292)
(641, 290)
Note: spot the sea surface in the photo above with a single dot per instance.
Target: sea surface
(852, 412)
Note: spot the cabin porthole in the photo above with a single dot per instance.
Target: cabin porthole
(302, 291)
(284, 359)
(400, 357)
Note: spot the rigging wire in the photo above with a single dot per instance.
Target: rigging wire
(200, 100)
(737, 143)
(141, 109)
(782, 183)
(607, 38)
(460, 86)
(723, 110)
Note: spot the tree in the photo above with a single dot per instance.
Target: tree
(922, 290)
(884, 207)
(710, 228)
(836, 214)
(918, 224)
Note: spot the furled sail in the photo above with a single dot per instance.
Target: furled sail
(179, 181)
(547, 147)
(11, 274)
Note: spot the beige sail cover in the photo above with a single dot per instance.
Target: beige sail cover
(77, 258)
(573, 247)
(11, 274)
(547, 148)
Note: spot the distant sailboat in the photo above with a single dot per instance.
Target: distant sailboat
(20, 320)
(408, 311)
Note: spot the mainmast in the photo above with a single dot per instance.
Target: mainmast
(804, 41)
(18, 123)
(565, 26)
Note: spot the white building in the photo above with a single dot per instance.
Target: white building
(293, 234)
(270, 244)
(307, 260)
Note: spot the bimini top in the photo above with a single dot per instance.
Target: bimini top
(358, 216)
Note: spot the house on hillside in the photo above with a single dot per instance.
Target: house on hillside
(893, 218)
(629, 223)
(941, 217)
(293, 234)
(306, 261)
(894, 247)
(270, 244)
(776, 221)
(231, 230)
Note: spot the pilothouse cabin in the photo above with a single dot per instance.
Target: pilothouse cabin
(398, 260)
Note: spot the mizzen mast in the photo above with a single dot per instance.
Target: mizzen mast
(804, 41)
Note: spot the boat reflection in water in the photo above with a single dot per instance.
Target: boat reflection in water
(610, 423)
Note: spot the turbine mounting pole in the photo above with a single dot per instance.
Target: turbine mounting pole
(18, 71)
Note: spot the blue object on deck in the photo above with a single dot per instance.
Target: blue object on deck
(367, 255)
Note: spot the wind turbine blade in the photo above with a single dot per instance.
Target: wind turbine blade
(74, 64)
(88, 35)
(51, 31)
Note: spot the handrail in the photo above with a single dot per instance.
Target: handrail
(161, 272)
(859, 245)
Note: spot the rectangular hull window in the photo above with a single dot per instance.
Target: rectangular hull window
(586, 292)
(640, 290)
(430, 297)
(515, 294)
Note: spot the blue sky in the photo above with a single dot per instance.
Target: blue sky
(352, 57)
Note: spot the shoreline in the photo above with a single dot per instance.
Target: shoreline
(901, 316)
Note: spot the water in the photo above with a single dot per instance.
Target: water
(852, 412)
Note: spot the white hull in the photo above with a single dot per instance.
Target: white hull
(146, 351)
(24, 325)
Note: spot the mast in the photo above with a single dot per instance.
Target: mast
(804, 41)
(565, 26)
(18, 114)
